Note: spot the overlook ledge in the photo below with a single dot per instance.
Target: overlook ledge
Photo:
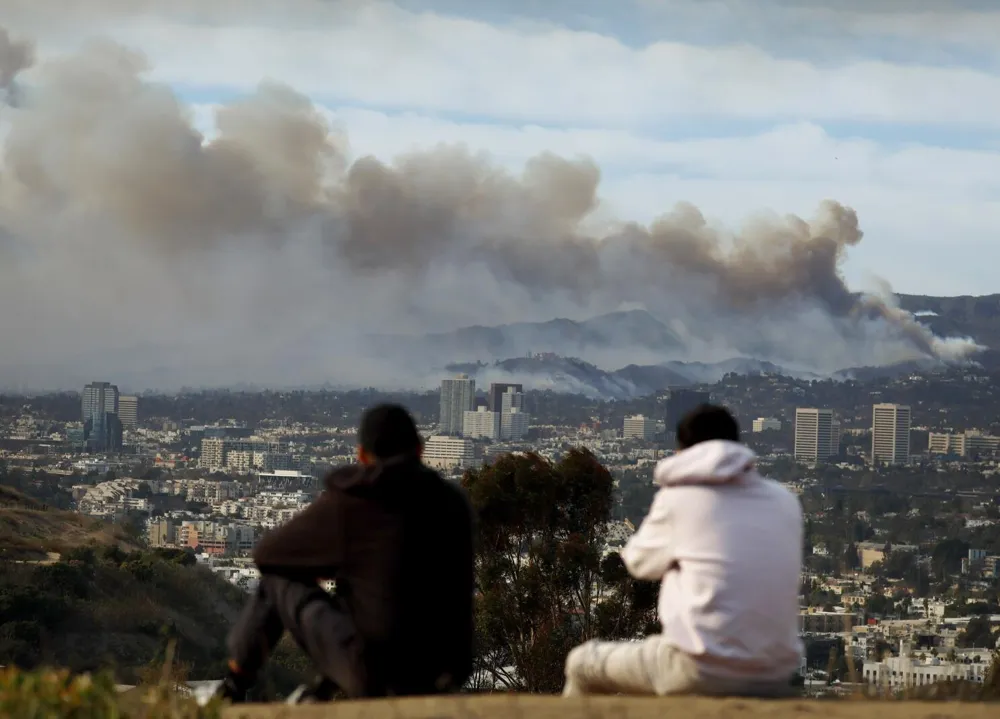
(553, 707)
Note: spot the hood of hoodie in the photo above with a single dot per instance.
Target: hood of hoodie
(357, 475)
(718, 461)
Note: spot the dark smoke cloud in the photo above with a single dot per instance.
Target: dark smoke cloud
(143, 250)
(15, 56)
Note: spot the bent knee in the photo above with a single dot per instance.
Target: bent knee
(578, 657)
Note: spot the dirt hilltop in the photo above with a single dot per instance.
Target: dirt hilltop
(552, 707)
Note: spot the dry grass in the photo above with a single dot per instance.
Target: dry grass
(29, 531)
(48, 694)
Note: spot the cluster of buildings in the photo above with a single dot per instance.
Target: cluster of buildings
(244, 455)
(465, 420)
(919, 646)
(818, 434)
(970, 445)
(209, 537)
(500, 417)
(217, 518)
(678, 402)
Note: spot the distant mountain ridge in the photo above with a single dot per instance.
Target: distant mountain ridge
(568, 374)
(637, 336)
(635, 330)
(542, 353)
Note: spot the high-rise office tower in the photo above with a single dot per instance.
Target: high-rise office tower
(639, 427)
(128, 411)
(458, 396)
(102, 428)
(99, 395)
(890, 434)
(813, 434)
(679, 403)
(497, 390)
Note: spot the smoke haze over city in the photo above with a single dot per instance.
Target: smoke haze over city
(134, 246)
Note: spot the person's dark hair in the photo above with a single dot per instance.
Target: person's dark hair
(704, 423)
(388, 430)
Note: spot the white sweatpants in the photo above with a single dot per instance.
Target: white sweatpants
(652, 667)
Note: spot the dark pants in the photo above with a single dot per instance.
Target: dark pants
(316, 620)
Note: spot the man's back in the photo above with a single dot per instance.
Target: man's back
(728, 546)
(398, 540)
(408, 577)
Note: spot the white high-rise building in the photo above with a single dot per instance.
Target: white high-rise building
(514, 424)
(514, 421)
(765, 424)
(890, 434)
(481, 424)
(511, 399)
(128, 411)
(494, 398)
(639, 427)
(458, 396)
(813, 434)
(443, 452)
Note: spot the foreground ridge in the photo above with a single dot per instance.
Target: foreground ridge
(525, 706)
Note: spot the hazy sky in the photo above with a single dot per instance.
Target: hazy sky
(735, 105)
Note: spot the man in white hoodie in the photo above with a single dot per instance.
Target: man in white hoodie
(727, 546)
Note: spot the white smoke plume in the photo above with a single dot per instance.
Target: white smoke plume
(133, 248)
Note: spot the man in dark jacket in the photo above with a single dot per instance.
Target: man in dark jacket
(397, 539)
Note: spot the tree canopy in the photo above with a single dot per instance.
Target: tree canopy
(545, 581)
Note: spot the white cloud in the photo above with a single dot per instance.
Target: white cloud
(380, 55)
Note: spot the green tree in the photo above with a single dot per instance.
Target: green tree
(544, 582)
(977, 633)
(852, 558)
(897, 565)
(948, 555)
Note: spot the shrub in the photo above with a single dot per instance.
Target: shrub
(57, 693)
(34, 695)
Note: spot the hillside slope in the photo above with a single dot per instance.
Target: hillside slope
(78, 593)
(30, 530)
(968, 316)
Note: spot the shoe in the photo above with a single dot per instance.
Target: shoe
(232, 688)
(320, 690)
